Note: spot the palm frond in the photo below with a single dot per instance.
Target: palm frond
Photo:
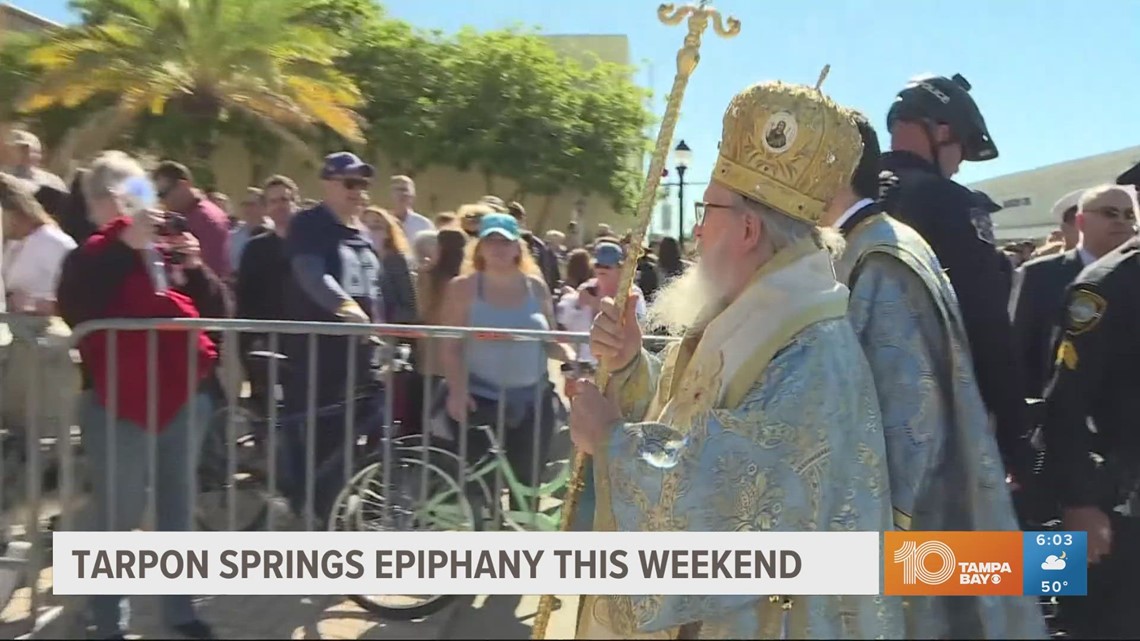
(99, 130)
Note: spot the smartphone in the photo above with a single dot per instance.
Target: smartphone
(579, 369)
(172, 225)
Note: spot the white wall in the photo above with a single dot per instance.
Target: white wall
(1028, 196)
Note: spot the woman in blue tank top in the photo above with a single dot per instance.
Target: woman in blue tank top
(501, 289)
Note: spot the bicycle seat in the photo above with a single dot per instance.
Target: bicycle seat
(266, 356)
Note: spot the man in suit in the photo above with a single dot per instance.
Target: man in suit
(1105, 218)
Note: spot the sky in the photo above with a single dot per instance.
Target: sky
(1055, 79)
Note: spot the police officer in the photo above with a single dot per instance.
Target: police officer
(1092, 442)
(935, 126)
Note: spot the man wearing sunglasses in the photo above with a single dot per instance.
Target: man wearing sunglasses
(335, 275)
(1092, 406)
(1103, 219)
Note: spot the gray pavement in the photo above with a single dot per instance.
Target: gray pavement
(316, 617)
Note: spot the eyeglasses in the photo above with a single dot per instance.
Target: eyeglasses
(702, 207)
(1116, 213)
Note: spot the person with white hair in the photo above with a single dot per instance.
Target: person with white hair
(134, 266)
(425, 249)
(764, 416)
(27, 152)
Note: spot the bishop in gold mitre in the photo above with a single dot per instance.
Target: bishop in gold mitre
(764, 416)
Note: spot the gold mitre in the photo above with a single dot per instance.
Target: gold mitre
(789, 147)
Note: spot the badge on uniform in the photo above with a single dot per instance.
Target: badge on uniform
(1084, 312)
(983, 224)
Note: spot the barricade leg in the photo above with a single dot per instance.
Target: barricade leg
(177, 466)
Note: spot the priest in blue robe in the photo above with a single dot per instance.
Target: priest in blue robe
(764, 417)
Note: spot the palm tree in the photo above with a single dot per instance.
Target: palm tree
(199, 60)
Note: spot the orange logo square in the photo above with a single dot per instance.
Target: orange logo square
(952, 563)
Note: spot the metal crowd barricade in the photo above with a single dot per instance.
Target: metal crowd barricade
(338, 460)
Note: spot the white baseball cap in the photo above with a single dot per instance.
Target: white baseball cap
(1067, 202)
(22, 138)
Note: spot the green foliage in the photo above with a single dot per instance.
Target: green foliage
(502, 103)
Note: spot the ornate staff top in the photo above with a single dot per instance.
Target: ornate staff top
(688, 57)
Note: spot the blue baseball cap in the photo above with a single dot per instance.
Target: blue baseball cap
(504, 225)
(346, 163)
(607, 254)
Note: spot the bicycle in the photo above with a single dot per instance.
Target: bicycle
(426, 470)
(235, 491)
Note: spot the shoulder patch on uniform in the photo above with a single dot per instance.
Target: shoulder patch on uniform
(1084, 311)
(983, 224)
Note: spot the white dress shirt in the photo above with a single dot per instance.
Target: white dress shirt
(851, 212)
(1086, 257)
(32, 266)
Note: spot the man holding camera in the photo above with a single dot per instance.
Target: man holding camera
(206, 221)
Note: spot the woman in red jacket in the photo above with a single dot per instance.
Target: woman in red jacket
(121, 272)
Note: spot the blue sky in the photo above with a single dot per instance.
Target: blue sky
(1056, 80)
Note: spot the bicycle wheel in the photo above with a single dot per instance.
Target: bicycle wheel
(246, 488)
(420, 496)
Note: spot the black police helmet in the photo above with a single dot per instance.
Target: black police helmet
(983, 201)
(946, 101)
(1130, 176)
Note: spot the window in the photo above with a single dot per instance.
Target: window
(1016, 202)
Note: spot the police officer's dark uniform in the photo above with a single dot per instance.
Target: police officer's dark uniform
(1096, 385)
(959, 229)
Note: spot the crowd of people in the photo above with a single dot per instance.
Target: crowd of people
(872, 295)
(124, 241)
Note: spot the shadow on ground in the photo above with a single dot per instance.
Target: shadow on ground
(490, 617)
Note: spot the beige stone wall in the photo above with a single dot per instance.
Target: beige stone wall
(438, 189)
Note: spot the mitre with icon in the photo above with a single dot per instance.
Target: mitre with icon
(789, 147)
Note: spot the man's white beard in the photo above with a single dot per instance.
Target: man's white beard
(693, 297)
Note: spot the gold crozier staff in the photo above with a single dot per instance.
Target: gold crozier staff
(687, 59)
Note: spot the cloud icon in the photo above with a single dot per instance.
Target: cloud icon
(1053, 562)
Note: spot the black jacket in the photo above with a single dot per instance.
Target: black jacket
(1036, 304)
(397, 293)
(547, 261)
(262, 278)
(944, 213)
(1096, 377)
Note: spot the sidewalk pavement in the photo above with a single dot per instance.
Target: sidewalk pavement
(294, 617)
(509, 617)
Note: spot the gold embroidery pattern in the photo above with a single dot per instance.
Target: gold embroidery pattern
(773, 463)
(745, 495)
(698, 392)
(905, 313)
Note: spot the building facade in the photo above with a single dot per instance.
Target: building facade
(15, 19)
(1027, 197)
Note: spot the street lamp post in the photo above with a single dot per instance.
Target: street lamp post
(682, 156)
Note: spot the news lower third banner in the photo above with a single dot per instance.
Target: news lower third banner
(630, 563)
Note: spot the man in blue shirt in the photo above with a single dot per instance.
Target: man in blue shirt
(335, 279)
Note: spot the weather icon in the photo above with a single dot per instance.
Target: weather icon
(1054, 562)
